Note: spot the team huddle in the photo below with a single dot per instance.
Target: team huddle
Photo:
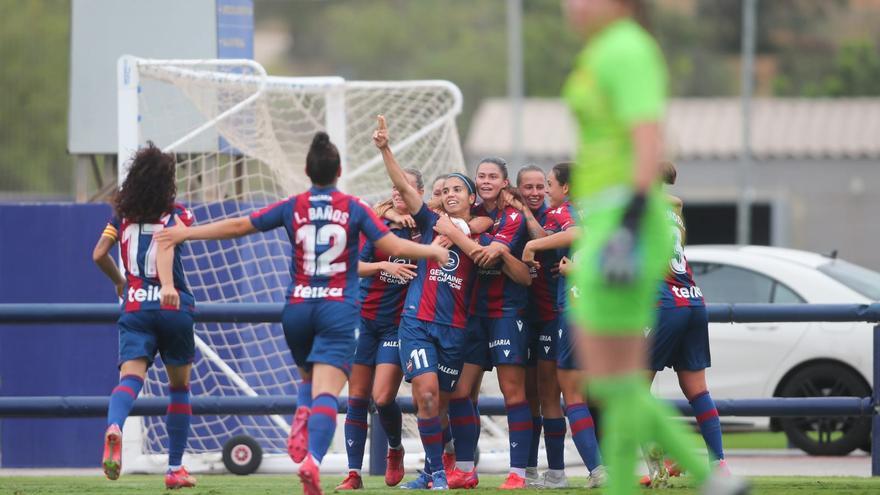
(553, 283)
(435, 292)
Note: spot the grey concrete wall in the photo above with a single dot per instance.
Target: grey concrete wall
(822, 204)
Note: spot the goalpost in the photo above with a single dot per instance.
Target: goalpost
(240, 137)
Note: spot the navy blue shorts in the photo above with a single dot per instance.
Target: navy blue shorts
(496, 341)
(431, 348)
(543, 340)
(170, 333)
(377, 343)
(321, 332)
(680, 339)
(566, 359)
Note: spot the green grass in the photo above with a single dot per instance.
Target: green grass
(753, 440)
(287, 484)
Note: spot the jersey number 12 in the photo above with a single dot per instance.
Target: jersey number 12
(310, 236)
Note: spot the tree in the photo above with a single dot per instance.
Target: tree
(34, 48)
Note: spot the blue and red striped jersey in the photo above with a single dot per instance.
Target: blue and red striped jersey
(138, 253)
(495, 294)
(382, 294)
(542, 301)
(324, 226)
(678, 288)
(560, 219)
(440, 294)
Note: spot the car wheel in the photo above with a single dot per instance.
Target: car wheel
(242, 455)
(826, 435)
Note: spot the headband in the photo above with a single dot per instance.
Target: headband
(467, 181)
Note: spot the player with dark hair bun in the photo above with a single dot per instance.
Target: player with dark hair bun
(157, 305)
(321, 315)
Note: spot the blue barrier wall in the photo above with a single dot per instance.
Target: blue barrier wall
(45, 255)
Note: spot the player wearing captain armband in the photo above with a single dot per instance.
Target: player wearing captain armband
(157, 305)
(560, 230)
(376, 370)
(321, 317)
(617, 91)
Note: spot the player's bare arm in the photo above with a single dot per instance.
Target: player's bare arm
(401, 248)
(164, 263)
(410, 195)
(479, 225)
(558, 240)
(445, 227)
(403, 271)
(224, 229)
(516, 269)
(101, 257)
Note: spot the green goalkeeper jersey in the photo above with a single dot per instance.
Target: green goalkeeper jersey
(619, 80)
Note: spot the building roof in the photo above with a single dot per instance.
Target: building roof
(700, 128)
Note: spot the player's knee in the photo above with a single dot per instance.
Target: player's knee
(383, 398)
(428, 400)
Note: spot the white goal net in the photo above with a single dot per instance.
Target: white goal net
(241, 138)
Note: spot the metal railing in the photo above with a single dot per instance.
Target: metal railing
(11, 314)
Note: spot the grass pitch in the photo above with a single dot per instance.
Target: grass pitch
(287, 484)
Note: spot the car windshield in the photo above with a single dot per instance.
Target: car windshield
(865, 282)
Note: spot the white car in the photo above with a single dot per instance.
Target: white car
(761, 360)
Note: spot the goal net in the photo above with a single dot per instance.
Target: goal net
(241, 138)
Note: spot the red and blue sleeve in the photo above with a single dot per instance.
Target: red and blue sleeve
(370, 225)
(366, 251)
(511, 228)
(270, 217)
(566, 218)
(425, 218)
(183, 213)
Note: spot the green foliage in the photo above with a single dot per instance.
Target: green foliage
(34, 49)
(853, 71)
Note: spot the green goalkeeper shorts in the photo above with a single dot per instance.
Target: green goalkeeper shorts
(603, 309)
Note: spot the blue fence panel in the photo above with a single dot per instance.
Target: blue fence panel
(45, 256)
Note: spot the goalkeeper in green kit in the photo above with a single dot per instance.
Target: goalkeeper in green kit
(617, 92)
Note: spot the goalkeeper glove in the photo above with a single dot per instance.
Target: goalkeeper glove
(619, 258)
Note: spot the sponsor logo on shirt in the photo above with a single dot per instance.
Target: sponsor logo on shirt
(686, 292)
(391, 343)
(309, 292)
(452, 264)
(497, 342)
(143, 295)
(548, 338)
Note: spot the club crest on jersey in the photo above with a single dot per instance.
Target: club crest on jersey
(399, 261)
(409, 366)
(452, 264)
